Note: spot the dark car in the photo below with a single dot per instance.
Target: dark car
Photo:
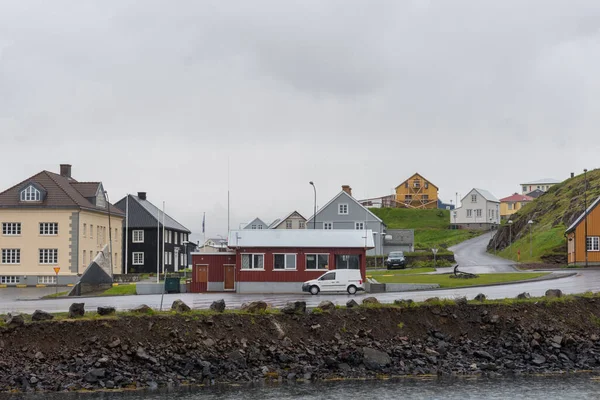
(395, 260)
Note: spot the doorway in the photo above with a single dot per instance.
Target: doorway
(200, 278)
(229, 283)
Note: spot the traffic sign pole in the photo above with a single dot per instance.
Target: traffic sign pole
(56, 271)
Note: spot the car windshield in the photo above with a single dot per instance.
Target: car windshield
(396, 254)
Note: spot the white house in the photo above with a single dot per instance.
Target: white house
(479, 210)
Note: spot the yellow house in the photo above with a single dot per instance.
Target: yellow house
(511, 204)
(417, 192)
(53, 221)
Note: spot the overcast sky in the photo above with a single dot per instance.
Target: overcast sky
(157, 96)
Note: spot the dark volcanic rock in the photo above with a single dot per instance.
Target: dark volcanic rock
(351, 303)
(375, 359)
(403, 303)
(553, 293)
(218, 306)
(370, 301)
(523, 295)
(15, 321)
(326, 305)
(76, 310)
(179, 306)
(297, 307)
(39, 315)
(483, 354)
(143, 309)
(432, 300)
(254, 307)
(106, 310)
(480, 297)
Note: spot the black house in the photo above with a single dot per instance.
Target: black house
(144, 237)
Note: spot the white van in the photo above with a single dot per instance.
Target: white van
(338, 280)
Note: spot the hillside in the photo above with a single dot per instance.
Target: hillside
(431, 226)
(552, 213)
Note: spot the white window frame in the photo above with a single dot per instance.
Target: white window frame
(469, 213)
(260, 226)
(31, 194)
(9, 280)
(473, 198)
(478, 213)
(252, 255)
(343, 209)
(316, 261)
(176, 234)
(48, 228)
(11, 257)
(593, 243)
(48, 256)
(328, 226)
(285, 262)
(137, 236)
(302, 224)
(359, 226)
(47, 280)
(137, 258)
(11, 229)
(289, 224)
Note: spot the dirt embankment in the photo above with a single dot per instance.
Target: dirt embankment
(153, 350)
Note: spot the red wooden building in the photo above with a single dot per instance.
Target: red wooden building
(279, 261)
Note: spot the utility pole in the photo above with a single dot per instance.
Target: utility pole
(585, 216)
(315, 209)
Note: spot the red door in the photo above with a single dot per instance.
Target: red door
(229, 277)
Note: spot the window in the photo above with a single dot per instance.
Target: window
(84, 230)
(417, 183)
(473, 198)
(524, 188)
(347, 262)
(47, 280)
(288, 224)
(317, 261)
(48, 228)
(48, 256)
(328, 277)
(302, 224)
(91, 231)
(407, 198)
(359, 226)
(138, 236)
(176, 237)
(343, 209)
(469, 213)
(593, 243)
(260, 226)
(31, 194)
(426, 185)
(328, 225)
(253, 261)
(138, 257)
(478, 212)
(425, 197)
(101, 200)
(116, 235)
(11, 256)
(11, 228)
(253, 226)
(9, 279)
(170, 236)
(84, 258)
(510, 206)
(284, 261)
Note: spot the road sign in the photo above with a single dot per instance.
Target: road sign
(56, 270)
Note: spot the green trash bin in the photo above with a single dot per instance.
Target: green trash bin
(172, 285)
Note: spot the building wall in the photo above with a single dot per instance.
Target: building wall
(506, 212)
(148, 247)
(459, 215)
(216, 270)
(530, 188)
(576, 246)
(295, 220)
(94, 235)
(417, 193)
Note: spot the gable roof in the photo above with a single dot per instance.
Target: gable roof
(582, 216)
(485, 194)
(420, 176)
(336, 238)
(517, 197)
(278, 221)
(256, 221)
(61, 192)
(536, 193)
(343, 193)
(543, 181)
(143, 214)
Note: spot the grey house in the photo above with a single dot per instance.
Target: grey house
(399, 240)
(345, 212)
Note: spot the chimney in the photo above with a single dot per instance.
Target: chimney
(142, 195)
(347, 189)
(65, 170)
(572, 174)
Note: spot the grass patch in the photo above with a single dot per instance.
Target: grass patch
(400, 325)
(446, 282)
(55, 295)
(408, 271)
(121, 290)
(542, 242)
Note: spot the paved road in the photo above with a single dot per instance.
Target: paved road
(471, 256)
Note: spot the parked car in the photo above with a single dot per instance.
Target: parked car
(395, 260)
(339, 280)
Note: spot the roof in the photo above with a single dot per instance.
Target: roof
(517, 197)
(343, 193)
(319, 238)
(256, 221)
(485, 194)
(582, 216)
(536, 193)
(61, 192)
(543, 181)
(143, 214)
(278, 221)
(420, 176)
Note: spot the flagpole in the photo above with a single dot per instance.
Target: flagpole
(163, 242)
(227, 196)
(204, 228)
(158, 245)
(126, 233)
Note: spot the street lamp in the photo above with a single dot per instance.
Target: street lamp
(434, 251)
(585, 215)
(315, 211)
(510, 222)
(530, 223)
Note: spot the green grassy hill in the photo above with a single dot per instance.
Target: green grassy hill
(431, 226)
(551, 213)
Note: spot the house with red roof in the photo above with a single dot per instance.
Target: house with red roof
(511, 204)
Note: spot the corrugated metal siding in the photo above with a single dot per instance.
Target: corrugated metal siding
(593, 228)
(298, 275)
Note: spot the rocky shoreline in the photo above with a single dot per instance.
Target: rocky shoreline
(371, 341)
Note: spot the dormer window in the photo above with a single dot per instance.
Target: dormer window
(100, 200)
(30, 193)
